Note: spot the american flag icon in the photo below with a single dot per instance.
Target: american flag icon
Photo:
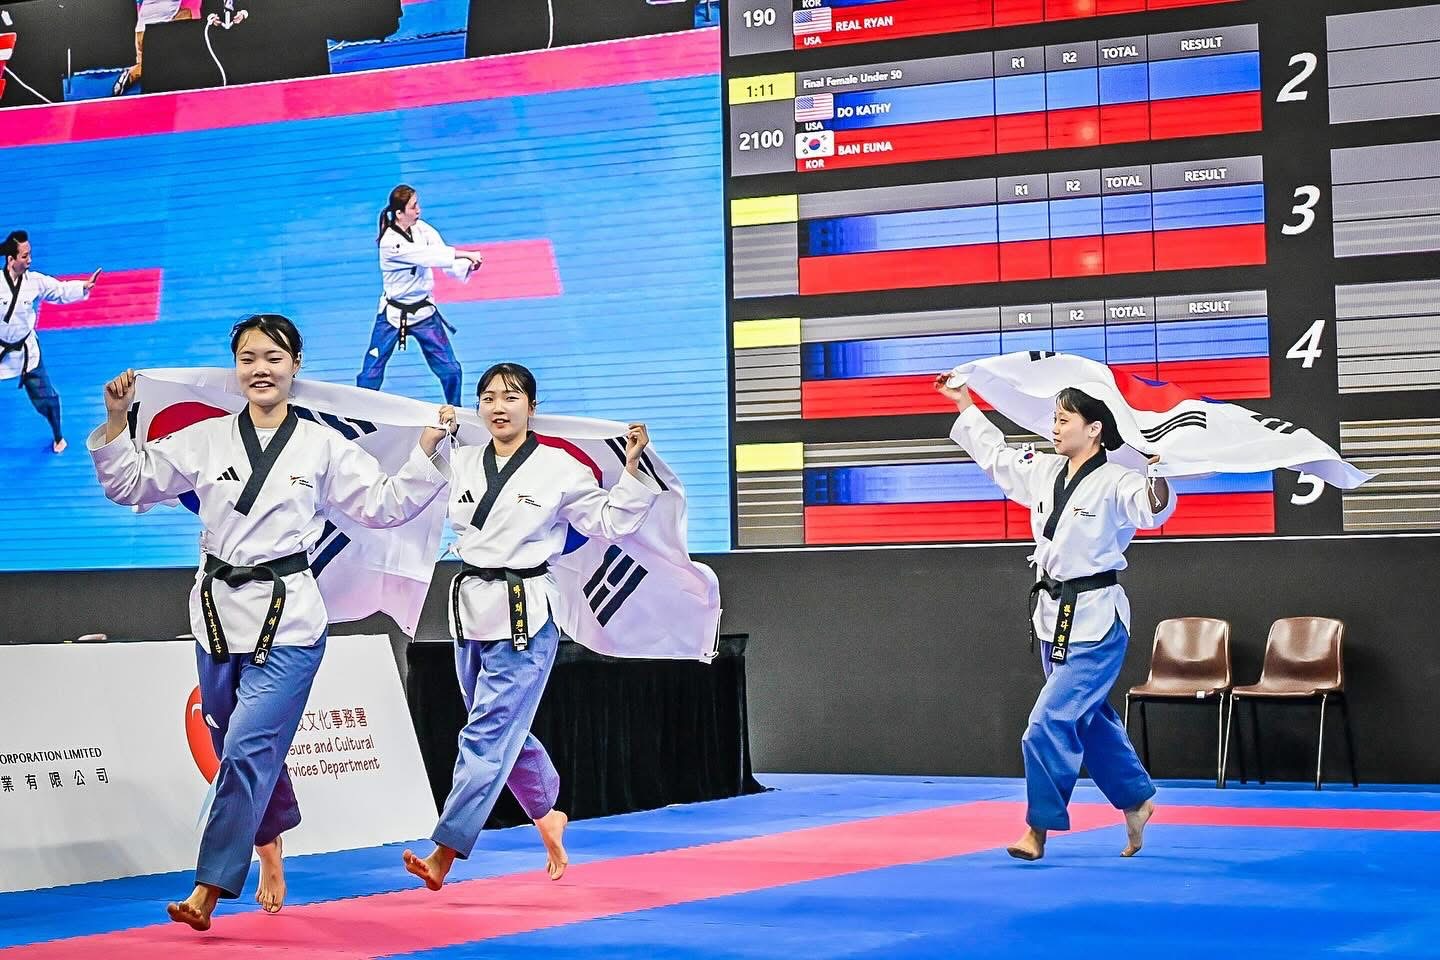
(811, 21)
(820, 106)
(7, 47)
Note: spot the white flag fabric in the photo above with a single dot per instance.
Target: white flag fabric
(641, 596)
(1193, 436)
(359, 571)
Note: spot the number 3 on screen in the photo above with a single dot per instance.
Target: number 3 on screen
(1308, 195)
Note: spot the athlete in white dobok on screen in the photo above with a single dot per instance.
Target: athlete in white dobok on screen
(410, 249)
(1084, 510)
(265, 479)
(512, 502)
(20, 298)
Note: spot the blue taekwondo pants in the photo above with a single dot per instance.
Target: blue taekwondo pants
(43, 397)
(253, 713)
(434, 343)
(502, 687)
(1072, 721)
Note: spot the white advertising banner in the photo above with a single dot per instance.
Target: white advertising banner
(106, 763)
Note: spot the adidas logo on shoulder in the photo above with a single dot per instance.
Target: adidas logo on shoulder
(229, 474)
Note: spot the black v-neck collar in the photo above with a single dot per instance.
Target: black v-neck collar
(14, 294)
(495, 478)
(262, 461)
(1063, 490)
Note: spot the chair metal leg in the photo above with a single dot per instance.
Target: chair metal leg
(1349, 740)
(1225, 740)
(1220, 744)
(1239, 745)
(1259, 750)
(1320, 740)
(1145, 734)
(1127, 715)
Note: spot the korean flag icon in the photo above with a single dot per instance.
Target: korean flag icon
(820, 143)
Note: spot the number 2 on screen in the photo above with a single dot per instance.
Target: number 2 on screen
(1291, 92)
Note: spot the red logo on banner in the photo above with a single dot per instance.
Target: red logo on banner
(197, 732)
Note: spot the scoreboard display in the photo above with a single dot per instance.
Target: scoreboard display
(1238, 197)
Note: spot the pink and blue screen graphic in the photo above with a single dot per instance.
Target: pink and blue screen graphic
(435, 30)
(586, 177)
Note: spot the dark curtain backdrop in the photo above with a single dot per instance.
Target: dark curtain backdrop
(625, 735)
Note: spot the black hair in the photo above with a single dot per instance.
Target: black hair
(514, 376)
(1091, 411)
(11, 246)
(399, 200)
(273, 325)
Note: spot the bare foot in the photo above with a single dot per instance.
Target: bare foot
(271, 895)
(433, 868)
(197, 908)
(59, 445)
(552, 831)
(1029, 847)
(1135, 821)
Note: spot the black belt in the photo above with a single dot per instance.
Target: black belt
(232, 576)
(23, 346)
(1065, 591)
(514, 597)
(409, 309)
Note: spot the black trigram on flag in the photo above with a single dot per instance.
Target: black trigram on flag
(229, 474)
(612, 583)
(1273, 423)
(350, 429)
(467, 497)
(617, 447)
(1189, 418)
(327, 548)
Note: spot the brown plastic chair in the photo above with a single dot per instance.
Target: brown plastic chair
(1189, 663)
(1304, 662)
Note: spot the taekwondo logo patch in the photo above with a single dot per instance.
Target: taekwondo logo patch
(300, 482)
(1082, 512)
(229, 474)
(526, 499)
